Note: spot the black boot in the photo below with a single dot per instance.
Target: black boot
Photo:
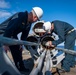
(22, 68)
(62, 70)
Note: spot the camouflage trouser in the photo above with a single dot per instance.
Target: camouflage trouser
(69, 60)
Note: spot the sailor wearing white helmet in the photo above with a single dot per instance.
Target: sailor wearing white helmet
(66, 33)
(21, 22)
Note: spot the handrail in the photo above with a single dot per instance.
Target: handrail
(9, 41)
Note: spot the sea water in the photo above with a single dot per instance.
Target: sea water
(60, 52)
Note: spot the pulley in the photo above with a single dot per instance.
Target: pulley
(38, 28)
(45, 39)
(32, 39)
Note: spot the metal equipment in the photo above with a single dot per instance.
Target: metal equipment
(46, 57)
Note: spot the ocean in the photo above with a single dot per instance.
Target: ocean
(63, 47)
(62, 52)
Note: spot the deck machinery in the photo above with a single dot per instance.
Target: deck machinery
(45, 58)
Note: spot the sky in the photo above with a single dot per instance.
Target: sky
(64, 10)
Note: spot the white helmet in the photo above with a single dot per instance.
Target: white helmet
(47, 26)
(38, 11)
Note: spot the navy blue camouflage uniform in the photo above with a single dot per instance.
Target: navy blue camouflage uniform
(19, 23)
(61, 29)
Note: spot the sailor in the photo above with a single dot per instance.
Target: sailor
(21, 22)
(66, 34)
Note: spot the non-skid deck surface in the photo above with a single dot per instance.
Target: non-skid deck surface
(29, 64)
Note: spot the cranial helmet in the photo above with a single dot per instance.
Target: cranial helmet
(38, 11)
(47, 26)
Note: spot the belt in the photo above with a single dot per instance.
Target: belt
(70, 31)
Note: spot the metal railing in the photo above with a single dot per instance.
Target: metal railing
(45, 55)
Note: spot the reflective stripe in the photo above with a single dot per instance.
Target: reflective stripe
(70, 31)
